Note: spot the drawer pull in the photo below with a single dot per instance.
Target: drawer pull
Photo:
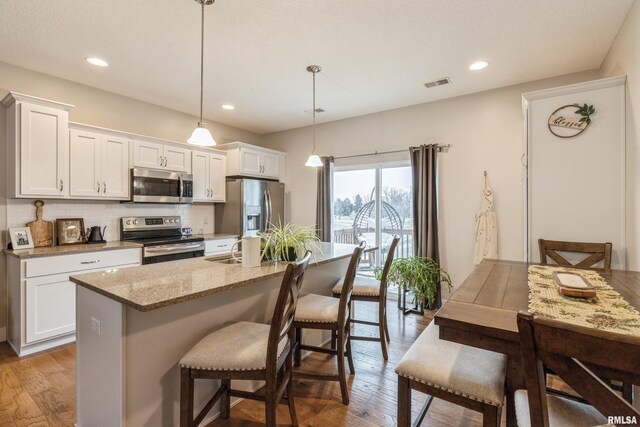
(90, 262)
(222, 246)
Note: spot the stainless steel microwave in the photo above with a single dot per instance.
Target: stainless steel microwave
(156, 186)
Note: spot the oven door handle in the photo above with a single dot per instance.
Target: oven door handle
(181, 186)
(196, 246)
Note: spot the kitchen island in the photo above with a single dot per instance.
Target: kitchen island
(134, 325)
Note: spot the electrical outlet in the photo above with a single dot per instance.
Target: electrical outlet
(96, 326)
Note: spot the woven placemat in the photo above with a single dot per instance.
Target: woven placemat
(608, 311)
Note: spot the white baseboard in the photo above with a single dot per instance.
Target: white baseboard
(3, 334)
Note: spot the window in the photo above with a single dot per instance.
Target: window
(358, 215)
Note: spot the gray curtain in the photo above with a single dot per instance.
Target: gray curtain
(424, 170)
(324, 202)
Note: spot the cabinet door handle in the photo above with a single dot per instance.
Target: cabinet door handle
(61, 184)
(165, 161)
(104, 187)
(90, 262)
(98, 187)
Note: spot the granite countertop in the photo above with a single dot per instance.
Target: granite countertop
(153, 286)
(70, 249)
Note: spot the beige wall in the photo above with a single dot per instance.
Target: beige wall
(624, 58)
(104, 109)
(485, 131)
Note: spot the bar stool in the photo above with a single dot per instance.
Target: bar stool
(247, 351)
(371, 290)
(329, 314)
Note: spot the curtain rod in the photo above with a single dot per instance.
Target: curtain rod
(440, 148)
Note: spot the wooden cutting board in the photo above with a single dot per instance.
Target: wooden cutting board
(41, 231)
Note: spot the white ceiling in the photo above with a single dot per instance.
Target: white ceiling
(375, 54)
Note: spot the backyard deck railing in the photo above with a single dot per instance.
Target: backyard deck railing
(404, 249)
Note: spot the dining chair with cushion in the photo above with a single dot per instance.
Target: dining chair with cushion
(580, 356)
(463, 375)
(597, 252)
(372, 290)
(247, 351)
(327, 313)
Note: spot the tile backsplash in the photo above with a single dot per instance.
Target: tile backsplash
(21, 211)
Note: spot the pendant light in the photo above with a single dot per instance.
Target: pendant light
(201, 135)
(314, 160)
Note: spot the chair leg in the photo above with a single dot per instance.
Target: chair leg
(491, 416)
(341, 371)
(186, 398)
(352, 367)
(298, 350)
(225, 400)
(383, 336)
(404, 402)
(386, 324)
(334, 339)
(289, 374)
(271, 406)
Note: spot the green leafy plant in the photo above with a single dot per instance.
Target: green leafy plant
(286, 242)
(585, 111)
(419, 275)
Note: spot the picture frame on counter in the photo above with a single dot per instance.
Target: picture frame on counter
(21, 238)
(70, 231)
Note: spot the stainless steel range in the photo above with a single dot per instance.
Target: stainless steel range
(161, 238)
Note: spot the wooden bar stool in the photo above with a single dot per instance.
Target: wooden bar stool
(371, 290)
(247, 351)
(330, 314)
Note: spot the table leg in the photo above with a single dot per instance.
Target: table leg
(515, 381)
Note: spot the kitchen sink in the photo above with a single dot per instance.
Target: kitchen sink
(224, 260)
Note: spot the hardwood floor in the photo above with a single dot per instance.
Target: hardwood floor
(39, 390)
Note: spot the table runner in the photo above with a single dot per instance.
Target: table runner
(608, 311)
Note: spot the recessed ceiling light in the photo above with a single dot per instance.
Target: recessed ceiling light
(98, 62)
(477, 66)
(228, 107)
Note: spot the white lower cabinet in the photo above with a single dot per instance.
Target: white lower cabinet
(219, 246)
(42, 299)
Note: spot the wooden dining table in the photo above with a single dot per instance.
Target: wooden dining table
(482, 313)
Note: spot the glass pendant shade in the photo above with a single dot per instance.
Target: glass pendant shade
(202, 137)
(314, 161)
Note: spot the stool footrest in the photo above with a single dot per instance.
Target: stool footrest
(318, 349)
(359, 338)
(365, 322)
(305, 375)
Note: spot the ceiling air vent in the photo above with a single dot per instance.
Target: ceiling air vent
(439, 82)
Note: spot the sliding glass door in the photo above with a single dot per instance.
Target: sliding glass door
(373, 203)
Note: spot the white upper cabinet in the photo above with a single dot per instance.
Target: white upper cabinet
(157, 155)
(38, 146)
(208, 170)
(253, 161)
(99, 165)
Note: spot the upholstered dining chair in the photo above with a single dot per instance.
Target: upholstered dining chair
(247, 351)
(581, 357)
(463, 375)
(372, 290)
(327, 313)
(596, 252)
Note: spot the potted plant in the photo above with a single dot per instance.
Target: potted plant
(418, 275)
(288, 242)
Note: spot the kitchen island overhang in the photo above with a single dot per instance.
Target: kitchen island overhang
(134, 325)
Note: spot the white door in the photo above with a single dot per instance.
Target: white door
(148, 154)
(217, 173)
(250, 162)
(177, 159)
(576, 185)
(200, 172)
(43, 151)
(51, 307)
(115, 167)
(85, 176)
(270, 165)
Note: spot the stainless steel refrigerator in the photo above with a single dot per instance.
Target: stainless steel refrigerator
(252, 205)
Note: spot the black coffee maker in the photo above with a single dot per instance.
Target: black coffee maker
(95, 234)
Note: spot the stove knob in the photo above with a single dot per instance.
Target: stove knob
(172, 221)
(166, 221)
(177, 221)
(128, 222)
(135, 222)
